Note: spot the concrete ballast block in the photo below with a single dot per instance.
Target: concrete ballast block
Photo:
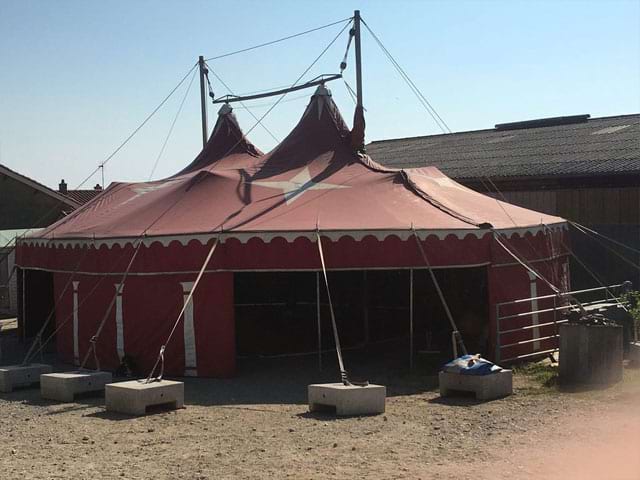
(15, 376)
(133, 397)
(347, 399)
(590, 354)
(486, 387)
(65, 386)
(634, 354)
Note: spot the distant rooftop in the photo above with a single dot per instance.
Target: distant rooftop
(79, 196)
(572, 146)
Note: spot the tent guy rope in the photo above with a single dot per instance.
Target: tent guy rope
(160, 359)
(96, 336)
(456, 336)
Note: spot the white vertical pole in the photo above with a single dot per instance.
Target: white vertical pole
(533, 290)
(411, 319)
(319, 321)
(76, 346)
(190, 359)
(119, 321)
(24, 303)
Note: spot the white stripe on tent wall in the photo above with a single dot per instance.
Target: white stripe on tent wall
(190, 361)
(119, 321)
(76, 346)
(533, 290)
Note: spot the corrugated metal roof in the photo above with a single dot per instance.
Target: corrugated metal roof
(598, 146)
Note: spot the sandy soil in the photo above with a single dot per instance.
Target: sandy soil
(257, 426)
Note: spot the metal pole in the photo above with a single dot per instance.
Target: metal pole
(411, 319)
(356, 29)
(318, 320)
(203, 100)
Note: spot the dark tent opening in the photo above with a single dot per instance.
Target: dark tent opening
(276, 313)
(35, 284)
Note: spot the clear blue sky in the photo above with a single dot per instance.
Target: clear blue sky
(76, 77)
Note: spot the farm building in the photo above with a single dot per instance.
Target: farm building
(579, 168)
(25, 205)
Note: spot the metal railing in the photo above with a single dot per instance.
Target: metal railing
(595, 298)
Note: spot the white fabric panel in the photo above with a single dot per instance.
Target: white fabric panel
(76, 347)
(190, 359)
(533, 290)
(119, 321)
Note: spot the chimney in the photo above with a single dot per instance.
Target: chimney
(62, 187)
(98, 187)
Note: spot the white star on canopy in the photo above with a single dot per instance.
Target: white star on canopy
(294, 188)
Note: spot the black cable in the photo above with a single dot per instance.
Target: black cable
(243, 105)
(144, 122)
(421, 98)
(289, 37)
(173, 124)
(170, 207)
(297, 81)
(104, 162)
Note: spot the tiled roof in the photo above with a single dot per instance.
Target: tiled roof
(598, 146)
(82, 196)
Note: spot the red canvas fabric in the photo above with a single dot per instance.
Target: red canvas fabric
(266, 209)
(312, 180)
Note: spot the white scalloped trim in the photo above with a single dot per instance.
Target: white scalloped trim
(289, 237)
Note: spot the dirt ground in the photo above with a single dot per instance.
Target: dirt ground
(257, 426)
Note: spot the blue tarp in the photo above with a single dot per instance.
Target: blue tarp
(471, 365)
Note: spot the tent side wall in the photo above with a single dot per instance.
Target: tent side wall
(510, 281)
(141, 319)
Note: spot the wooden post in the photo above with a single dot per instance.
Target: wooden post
(203, 100)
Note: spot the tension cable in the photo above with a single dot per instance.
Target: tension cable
(160, 359)
(456, 336)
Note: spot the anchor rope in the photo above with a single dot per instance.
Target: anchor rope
(344, 377)
(160, 359)
(601, 243)
(82, 302)
(593, 275)
(38, 337)
(456, 335)
(96, 336)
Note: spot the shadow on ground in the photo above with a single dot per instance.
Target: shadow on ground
(283, 380)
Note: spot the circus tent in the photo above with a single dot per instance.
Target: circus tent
(266, 211)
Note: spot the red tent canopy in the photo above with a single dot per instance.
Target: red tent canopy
(266, 209)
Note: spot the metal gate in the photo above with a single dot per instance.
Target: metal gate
(550, 306)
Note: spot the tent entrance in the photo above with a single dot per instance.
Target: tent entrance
(287, 313)
(35, 302)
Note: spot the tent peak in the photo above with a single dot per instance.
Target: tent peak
(225, 109)
(322, 91)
